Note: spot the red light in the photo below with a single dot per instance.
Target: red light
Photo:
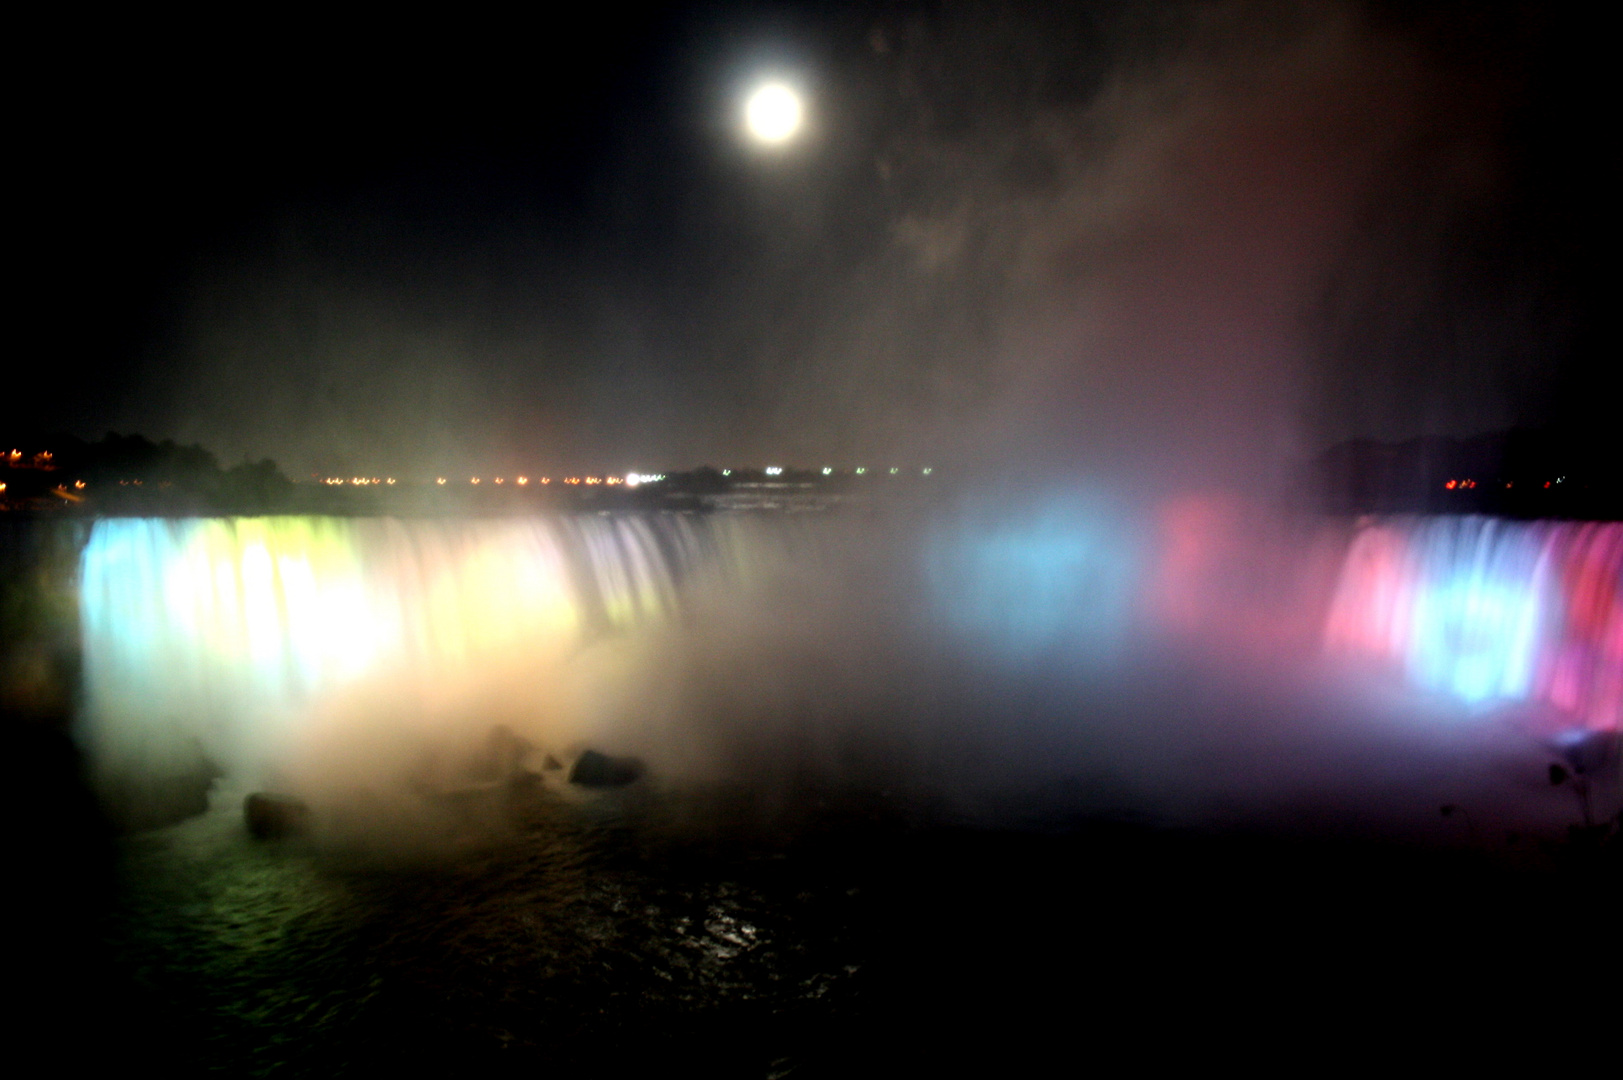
(1449, 485)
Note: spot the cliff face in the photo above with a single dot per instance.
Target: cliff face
(39, 618)
(70, 800)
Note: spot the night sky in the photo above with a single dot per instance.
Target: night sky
(1208, 239)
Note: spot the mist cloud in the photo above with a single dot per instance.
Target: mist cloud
(1193, 239)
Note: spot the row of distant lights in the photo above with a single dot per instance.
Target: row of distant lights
(629, 480)
(79, 485)
(828, 470)
(1464, 485)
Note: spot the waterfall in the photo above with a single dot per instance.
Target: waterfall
(229, 633)
(238, 637)
(1491, 611)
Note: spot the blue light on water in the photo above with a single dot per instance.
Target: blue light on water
(1478, 610)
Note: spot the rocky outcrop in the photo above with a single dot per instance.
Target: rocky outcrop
(594, 769)
(271, 817)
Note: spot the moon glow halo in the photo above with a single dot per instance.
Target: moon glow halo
(773, 113)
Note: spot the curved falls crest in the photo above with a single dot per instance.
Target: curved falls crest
(233, 632)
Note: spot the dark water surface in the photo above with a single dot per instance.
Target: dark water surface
(575, 938)
(626, 933)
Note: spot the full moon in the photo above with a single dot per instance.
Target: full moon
(773, 113)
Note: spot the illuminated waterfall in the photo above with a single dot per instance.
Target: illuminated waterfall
(231, 633)
(241, 636)
(1492, 611)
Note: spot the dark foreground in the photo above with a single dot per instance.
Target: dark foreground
(620, 933)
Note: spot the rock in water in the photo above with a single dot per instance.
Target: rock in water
(593, 769)
(272, 816)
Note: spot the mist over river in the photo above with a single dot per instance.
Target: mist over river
(1205, 659)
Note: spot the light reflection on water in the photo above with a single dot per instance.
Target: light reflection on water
(565, 924)
(609, 937)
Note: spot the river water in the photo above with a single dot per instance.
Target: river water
(617, 934)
